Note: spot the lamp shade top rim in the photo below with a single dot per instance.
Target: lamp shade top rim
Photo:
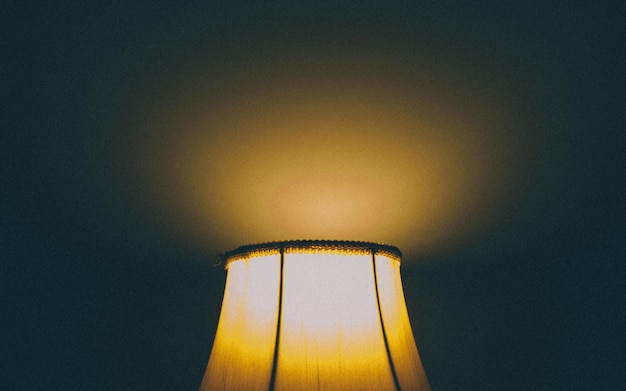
(293, 246)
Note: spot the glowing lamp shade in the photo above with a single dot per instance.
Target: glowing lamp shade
(314, 315)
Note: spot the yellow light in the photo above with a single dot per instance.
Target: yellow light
(322, 157)
(396, 320)
(244, 343)
(318, 315)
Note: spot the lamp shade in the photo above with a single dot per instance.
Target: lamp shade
(314, 315)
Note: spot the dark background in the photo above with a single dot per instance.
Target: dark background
(94, 300)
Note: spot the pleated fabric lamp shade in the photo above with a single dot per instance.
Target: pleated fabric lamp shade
(314, 315)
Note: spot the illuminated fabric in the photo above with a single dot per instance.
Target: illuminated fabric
(314, 315)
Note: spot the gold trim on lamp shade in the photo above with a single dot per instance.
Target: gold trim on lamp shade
(314, 315)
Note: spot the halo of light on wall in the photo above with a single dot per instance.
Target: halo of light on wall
(341, 162)
(372, 155)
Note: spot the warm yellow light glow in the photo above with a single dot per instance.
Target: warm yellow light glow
(308, 156)
(244, 344)
(404, 353)
(330, 205)
(341, 324)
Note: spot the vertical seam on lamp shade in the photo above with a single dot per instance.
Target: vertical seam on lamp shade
(382, 324)
(278, 320)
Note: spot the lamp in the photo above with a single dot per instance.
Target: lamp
(314, 315)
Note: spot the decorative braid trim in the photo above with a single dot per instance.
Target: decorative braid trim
(345, 247)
